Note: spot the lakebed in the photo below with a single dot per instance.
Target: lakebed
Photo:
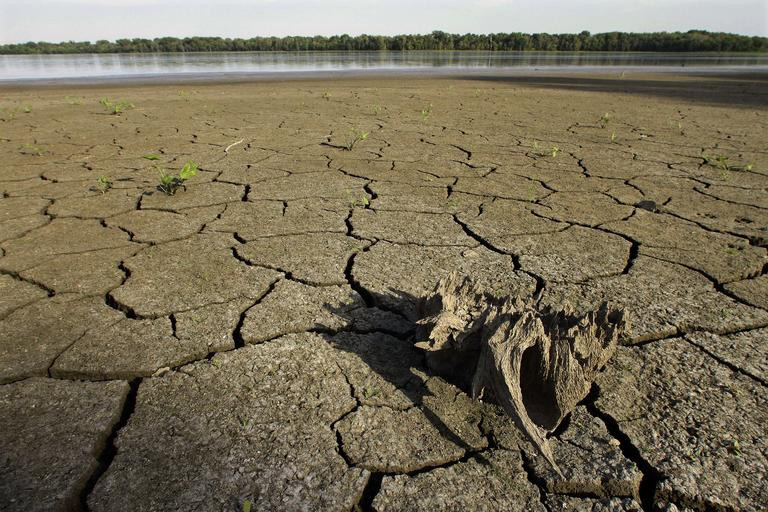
(249, 338)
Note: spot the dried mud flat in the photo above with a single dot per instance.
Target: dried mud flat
(250, 338)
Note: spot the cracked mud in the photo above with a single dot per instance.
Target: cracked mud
(251, 338)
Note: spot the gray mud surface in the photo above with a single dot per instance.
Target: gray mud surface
(251, 338)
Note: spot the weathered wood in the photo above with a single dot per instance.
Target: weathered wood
(536, 364)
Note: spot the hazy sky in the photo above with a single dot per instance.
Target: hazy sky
(58, 20)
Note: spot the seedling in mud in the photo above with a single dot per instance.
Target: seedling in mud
(604, 120)
(151, 156)
(719, 162)
(613, 137)
(103, 183)
(247, 506)
(355, 138)
(116, 108)
(363, 202)
(680, 128)
(244, 422)
(370, 392)
(72, 101)
(170, 183)
(426, 112)
(538, 150)
(26, 109)
(376, 109)
(9, 114)
(326, 96)
(32, 149)
(733, 447)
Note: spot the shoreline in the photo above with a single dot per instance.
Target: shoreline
(252, 336)
(210, 78)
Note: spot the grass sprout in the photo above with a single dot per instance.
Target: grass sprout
(116, 107)
(363, 202)
(426, 112)
(718, 162)
(171, 183)
(32, 149)
(103, 183)
(355, 137)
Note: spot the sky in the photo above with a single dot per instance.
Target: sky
(90, 20)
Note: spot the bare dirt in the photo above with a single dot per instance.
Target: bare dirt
(251, 338)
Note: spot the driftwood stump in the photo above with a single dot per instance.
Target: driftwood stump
(536, 364)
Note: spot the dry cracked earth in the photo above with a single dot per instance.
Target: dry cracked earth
(250, 338)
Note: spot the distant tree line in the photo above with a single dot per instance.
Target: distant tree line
(691, 41)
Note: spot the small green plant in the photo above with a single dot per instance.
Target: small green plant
(613, 137)
(326, 96)
(32, 149)
(8, 113)
(72, 101)
(746, 167)
(355, 137)
(170, 183)
(426, 112)
(363, 202)
(244, 422)
(103, 183)
(26, 109)
(151, 156)
(184, 94)
(376, 109)
(719, 162)
(733, 446)
(541, 151)
(680, 128)
(604, 120)
(116, 108)
(370, 393)
(247, 504)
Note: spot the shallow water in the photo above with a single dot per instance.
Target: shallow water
(46, 67)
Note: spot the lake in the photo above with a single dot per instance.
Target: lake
(211, 65)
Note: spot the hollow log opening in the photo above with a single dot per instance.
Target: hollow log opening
(538, 390)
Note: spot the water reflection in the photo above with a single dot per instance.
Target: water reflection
(116, 65)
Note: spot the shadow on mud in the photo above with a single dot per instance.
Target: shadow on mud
(392, 356)
(745, 90)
